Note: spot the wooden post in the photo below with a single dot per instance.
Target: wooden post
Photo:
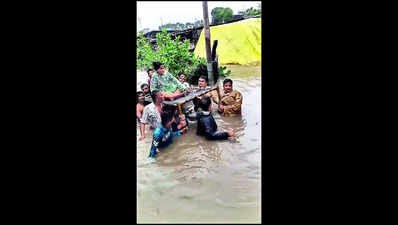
(207, 43)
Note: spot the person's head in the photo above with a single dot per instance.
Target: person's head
(170, 108)
(140, 96)
(159, 67)
(167, 118)
(181, 78)
(202, 82)
(157, 97)
(205, 103)
(145, 88)
(150, 72)
(227, 85)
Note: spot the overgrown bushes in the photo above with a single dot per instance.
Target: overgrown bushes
(173, 53)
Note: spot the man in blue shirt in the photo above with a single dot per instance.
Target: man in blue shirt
(163, 134)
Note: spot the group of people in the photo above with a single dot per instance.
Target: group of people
(168, 121)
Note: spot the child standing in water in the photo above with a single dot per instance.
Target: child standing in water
(207, 125)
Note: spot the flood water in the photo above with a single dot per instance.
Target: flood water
(200, 181)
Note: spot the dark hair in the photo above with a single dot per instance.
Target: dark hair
(226, 81)
(169, 108)
(204, 77)
(156, 65)
(138, 93)
(166, 117)
(153, 95)
(149, 70)
(205, 103)
(143, 85)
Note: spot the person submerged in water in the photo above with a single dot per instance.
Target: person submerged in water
(207, 125)
(202, 84)
(231, 100)
(179, 119)
(163, 135)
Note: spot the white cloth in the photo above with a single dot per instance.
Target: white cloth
(151, 116)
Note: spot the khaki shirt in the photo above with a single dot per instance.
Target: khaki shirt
(213, 95)
(232, 103)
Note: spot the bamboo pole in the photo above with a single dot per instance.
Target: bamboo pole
(207, 43)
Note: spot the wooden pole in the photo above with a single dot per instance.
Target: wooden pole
(207, 43)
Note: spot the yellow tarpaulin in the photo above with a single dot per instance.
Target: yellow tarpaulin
(238, 43)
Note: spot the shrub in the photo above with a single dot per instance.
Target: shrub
(174, 54)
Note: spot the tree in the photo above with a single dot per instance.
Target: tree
(252, 12)
(221, 15)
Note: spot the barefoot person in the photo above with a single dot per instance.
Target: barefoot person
(140, 108)
(140, 105)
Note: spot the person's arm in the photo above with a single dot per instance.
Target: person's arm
(144, 120)
(139, 111)
(142, 129)
(215, 96)
(236, 107)
(182, 122)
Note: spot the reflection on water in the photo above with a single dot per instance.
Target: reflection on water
(196, 180)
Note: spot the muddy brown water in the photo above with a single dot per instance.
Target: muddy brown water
(200, 181)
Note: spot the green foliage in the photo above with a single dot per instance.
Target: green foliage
(221, 15)
(145, 54)
(175, 55)
(223, 72)
(250, 12)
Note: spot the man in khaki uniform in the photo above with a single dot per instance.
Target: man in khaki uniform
(231, 100)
